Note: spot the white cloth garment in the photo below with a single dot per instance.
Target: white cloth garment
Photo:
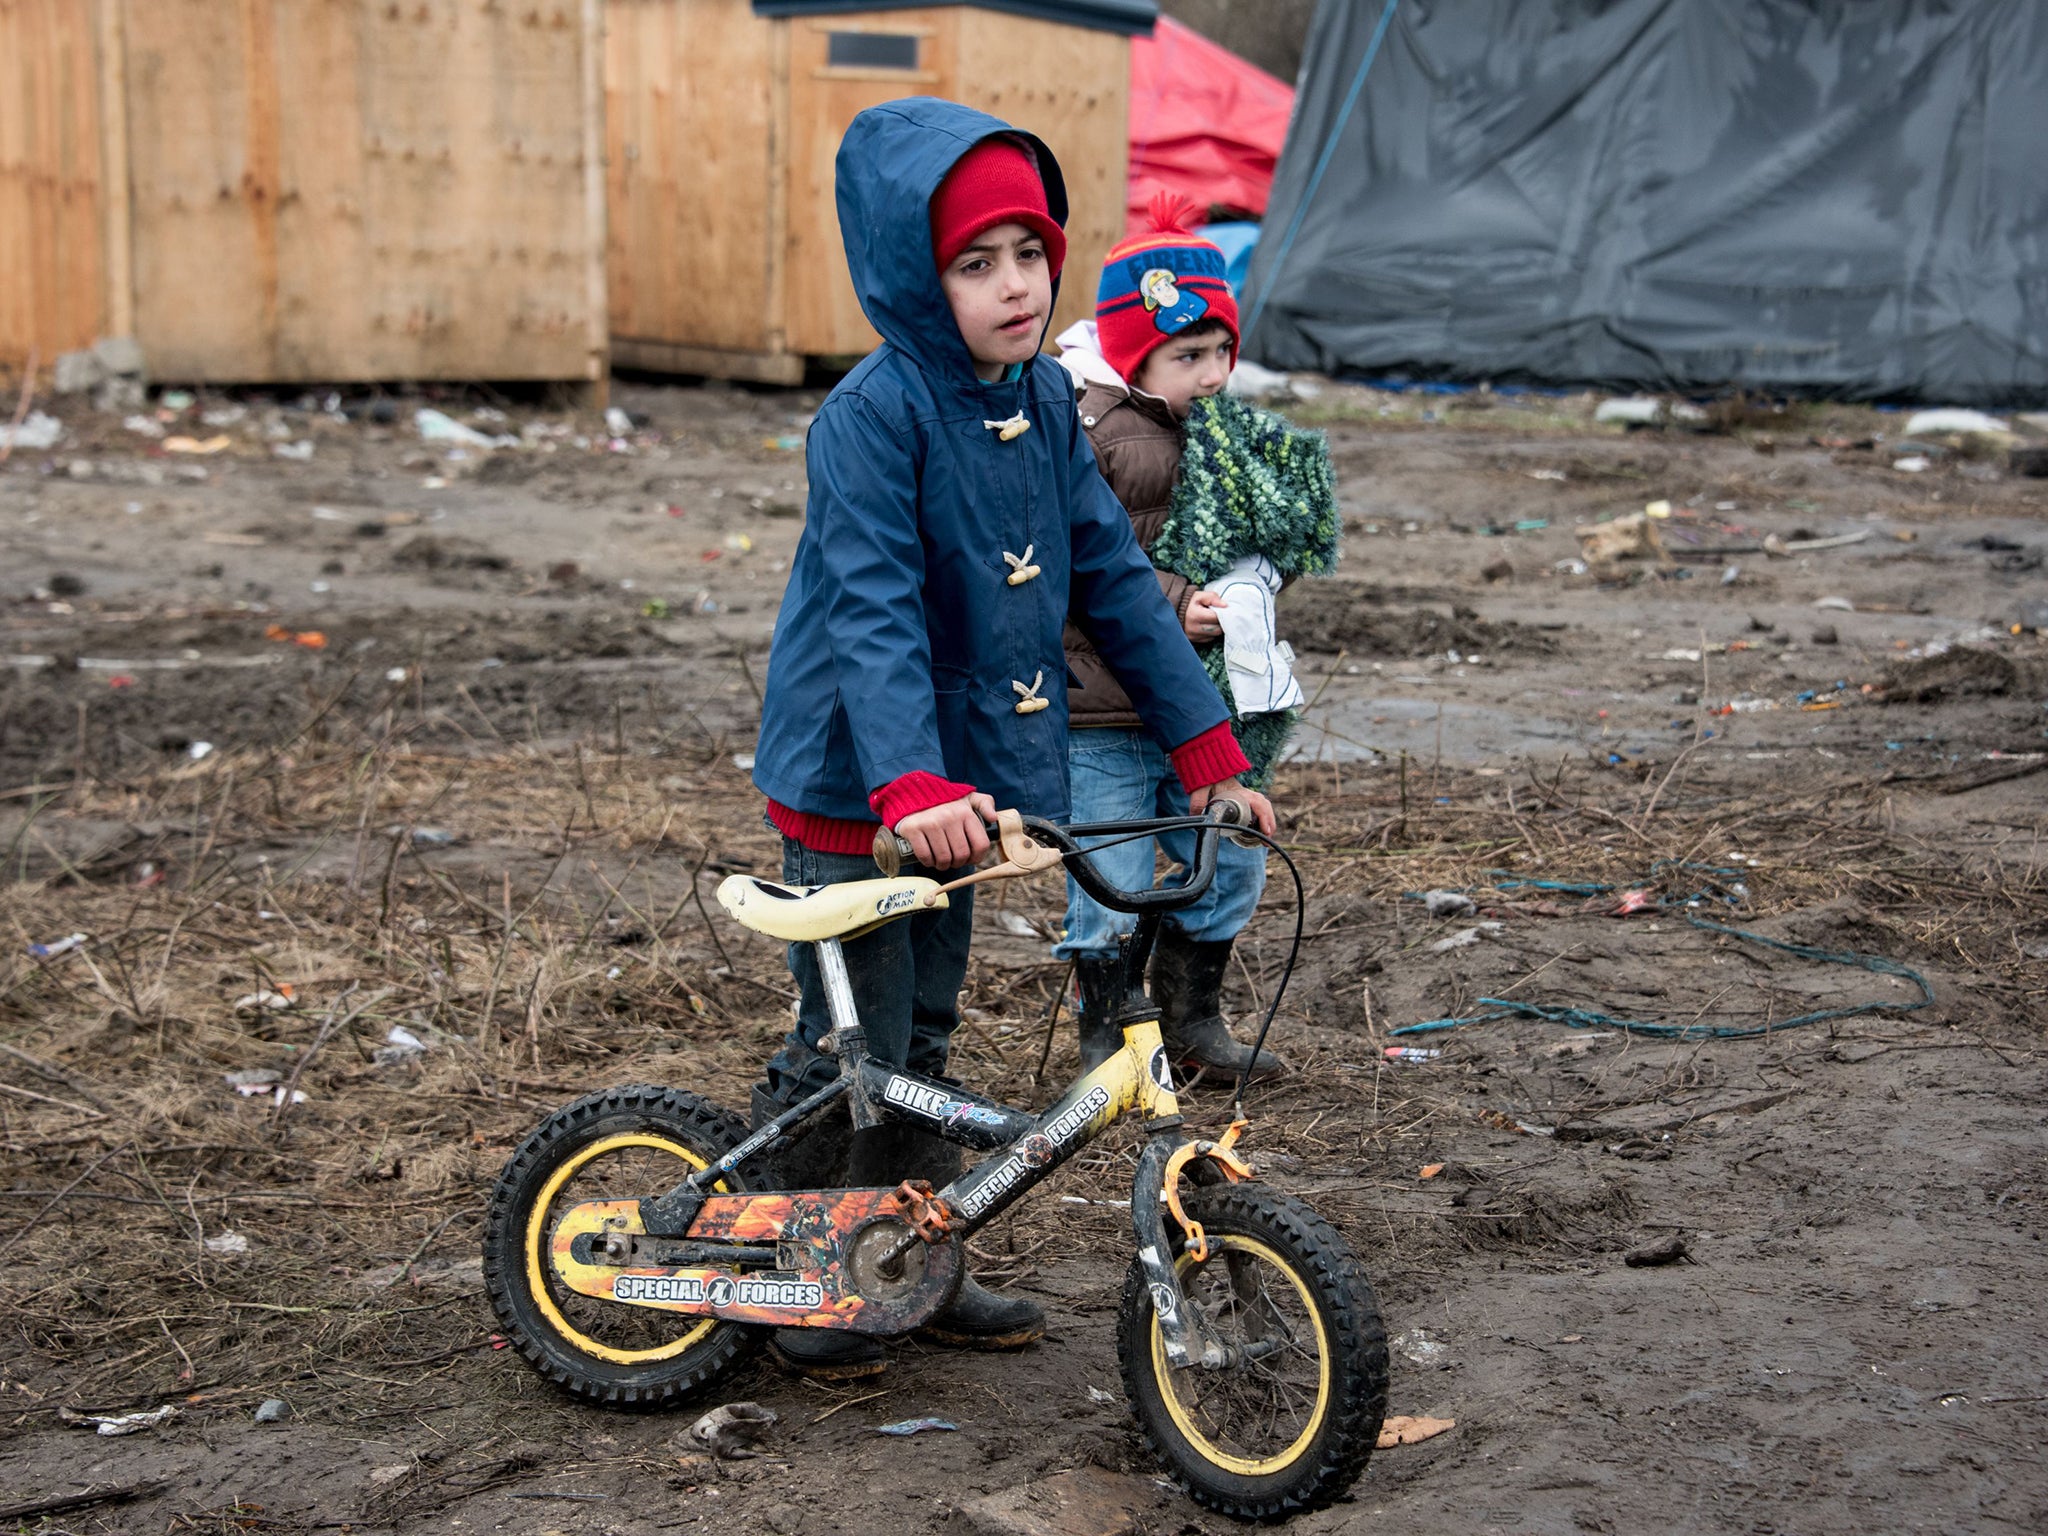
(1260, 664)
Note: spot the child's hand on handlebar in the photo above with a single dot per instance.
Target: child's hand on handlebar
(1257, 808)
(951, 836)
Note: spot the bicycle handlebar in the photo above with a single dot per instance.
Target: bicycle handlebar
(1169, 898)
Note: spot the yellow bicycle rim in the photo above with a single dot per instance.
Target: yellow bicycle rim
(1164, 1374)
(537, 1252)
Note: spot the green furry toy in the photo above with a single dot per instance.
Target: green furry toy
(1250, 484)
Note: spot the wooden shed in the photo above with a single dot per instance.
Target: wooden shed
(306, 190)
(723, 118)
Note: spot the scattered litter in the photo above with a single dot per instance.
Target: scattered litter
(227, 1242)
(199, 750)
(1448, 903)
(906, 1427)
(1570, 567)
(197, 445)
(434, 837)
(1579, 1045)
(252, 1077)
(38, 432)
(1411, 1053)
(1016, 924)
(1417, 1347)
(1097, 1395)
(311, 639)
(1934, 423)
(263, 1001)
(301, 451)
(1630, 537)
(396, 675)
(1463, 938)
(1635, 411)
(1633, 903)
(617, 422)
(400, 1044)
(788, 442)
(175, 399)
(1429, 1170)
(1837, 604)
(1668, 1250)
(1730, 575)
(436, 427)
(119, 1424)
(730, 1432)
(744, 761)
(56, 947)
(1402, 1429)
(1912, 464)
(1546, 474)
(273, 1410)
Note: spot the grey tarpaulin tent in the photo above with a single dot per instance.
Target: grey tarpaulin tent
(1843, 197)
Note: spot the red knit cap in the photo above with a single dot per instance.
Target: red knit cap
(996, 182)
(1156, 285)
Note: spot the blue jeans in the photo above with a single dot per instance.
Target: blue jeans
(1118, 775)
(906, 981)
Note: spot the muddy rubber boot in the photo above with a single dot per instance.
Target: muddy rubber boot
(977, 1318)
(830, 1155)
(1187, 988)
(812, 1157)
(1100, 985)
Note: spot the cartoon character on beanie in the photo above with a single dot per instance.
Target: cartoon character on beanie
(1175, 311)
(1157, 284)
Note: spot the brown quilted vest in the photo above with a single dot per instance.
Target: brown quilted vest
(1138, 444)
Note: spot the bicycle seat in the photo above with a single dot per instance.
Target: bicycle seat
(805, 914)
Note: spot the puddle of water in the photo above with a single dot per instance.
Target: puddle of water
(1351, 730)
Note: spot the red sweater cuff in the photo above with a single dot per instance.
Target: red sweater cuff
(914, 792)
(1209, 758)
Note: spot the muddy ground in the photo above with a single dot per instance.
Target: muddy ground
(449, 741)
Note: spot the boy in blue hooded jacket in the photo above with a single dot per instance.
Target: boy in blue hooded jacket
(917, 678)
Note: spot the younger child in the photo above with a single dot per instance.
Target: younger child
(916, 679)
(1239, 505)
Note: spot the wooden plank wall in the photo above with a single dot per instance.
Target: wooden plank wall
(1068, 85)
(693, 168)
(357, 189)
(52, 273)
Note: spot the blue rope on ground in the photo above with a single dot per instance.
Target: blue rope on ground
(1587, 1018)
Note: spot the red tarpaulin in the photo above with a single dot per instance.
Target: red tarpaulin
(1204, 123)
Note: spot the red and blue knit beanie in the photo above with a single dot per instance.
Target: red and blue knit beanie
(1156, 285)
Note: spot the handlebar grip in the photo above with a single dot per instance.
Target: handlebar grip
(891, 852)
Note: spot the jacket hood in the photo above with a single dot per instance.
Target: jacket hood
(890, 163)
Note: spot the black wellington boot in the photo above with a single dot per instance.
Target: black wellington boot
(1100, 983)
(834, 1156)
(812, 1157)
(1187, 988)
(977, 1318)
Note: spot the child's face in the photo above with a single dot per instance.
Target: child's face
(1180, 372)
(1000, 289)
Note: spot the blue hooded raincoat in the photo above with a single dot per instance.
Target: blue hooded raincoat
(901, 642)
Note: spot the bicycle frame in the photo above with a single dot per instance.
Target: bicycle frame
(698, 1228)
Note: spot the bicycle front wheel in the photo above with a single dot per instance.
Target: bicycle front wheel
(1290, 1424)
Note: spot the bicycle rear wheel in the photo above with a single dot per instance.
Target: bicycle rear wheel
(1290, 1425)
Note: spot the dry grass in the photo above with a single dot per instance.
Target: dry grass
(568, 943)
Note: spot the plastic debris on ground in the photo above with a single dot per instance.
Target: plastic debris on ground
(744, 761)
(1016, 924)
(730, 1432)
(265, 1001)
(617, 422)
(1448, 903)
(1934, 423)
(906, 1427)
(1097, 1395)
(119, 1423)
(1429, 1170)
(219, 444)
(227, 1242)
(37, 432)
(1404, 1429)
(1464, 938)
(1835, 604)
(438, 427)
(1634, 411)
(56, 947)
(1912, 464)
(1633, 903)
(1411, 1053)
(1418, 1347)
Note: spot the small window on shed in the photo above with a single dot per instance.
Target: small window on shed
(871, 50)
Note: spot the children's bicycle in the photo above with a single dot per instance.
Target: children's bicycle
(636, 1253)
